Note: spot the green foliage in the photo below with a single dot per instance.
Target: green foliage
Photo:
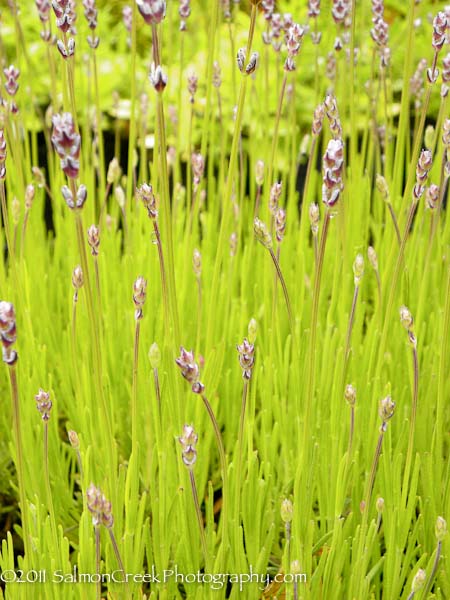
(91, 355)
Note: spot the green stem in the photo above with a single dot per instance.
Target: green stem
(19, 456)
(134, 416)
(228, 190)
(199, 516)
(412, 426)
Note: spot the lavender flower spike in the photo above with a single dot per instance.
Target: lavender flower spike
(190, 370)
(153, 11)
(66, 141)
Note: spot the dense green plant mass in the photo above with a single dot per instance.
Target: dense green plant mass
(225, 288)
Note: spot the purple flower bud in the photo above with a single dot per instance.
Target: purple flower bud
(11, 75)
(43, 8)
(127, 16)
(158, 78)
(43, 404)
(190, 370)
(153, 11)
(440, 25)
(8, 333)
(66, 141)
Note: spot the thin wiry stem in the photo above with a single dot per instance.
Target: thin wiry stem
(116, 550)
(433, 570)
(97, 562)
(48, 488)
(351, 320)
(412, 425)
(199, 516)
(238, 488)
(19, 452)
(373, 471)
(285, 292)
(395, 222)
(134, 417)
(223, 465)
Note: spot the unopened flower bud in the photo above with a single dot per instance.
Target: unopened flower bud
(94, 239)
(287, 510)
(252, 330)
(314, 216)
(113, 171)
(350, 394)
(77, 278)
(154, 355)
(406, 318)
(440, 529)
(262, 233)
(259, 172)
(429, 137)
(382, 187)
(74, 439)
(120, 196)
(358, 268)
(372, 256)
(15, 211)
(419, 581)
(29, 196)
(379, 504)
(197, 263)
(386, 409)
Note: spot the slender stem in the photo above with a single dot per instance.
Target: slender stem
(162, 269)
(285, 292)
(116, 550)
(199, 516)
(165, 198)
(395, 222)
(412, 425)
(48, 488)
(19, 457)
(223, 465)
(314, 314)
(257, 201)
(380, 298)
(352, 430)
(238, 487)
(373, 471)
(101, 150)
(24, 228)
(229, 187)
(433, 570)
(133, 94)
(349, 331)
(134, 417)
(109, 440)
(97, 562)
(443, 375)
(316, 249)
(276, 131)
(199, 311)
(97, 285)
(157, 388)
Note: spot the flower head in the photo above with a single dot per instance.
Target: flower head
(246, 352)
(153, 11)
(8, 333)
(66, 141)
(188, 441)
(190, 370)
